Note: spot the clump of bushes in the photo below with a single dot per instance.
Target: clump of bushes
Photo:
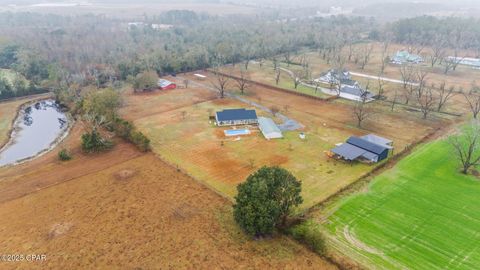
(64, 155)
(127, 131)
(309, 234)
(93, 142)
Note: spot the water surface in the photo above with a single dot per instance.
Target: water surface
(37, 127)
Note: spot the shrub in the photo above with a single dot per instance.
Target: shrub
(126, 130)
(64, 155)
(93, 142)
(309, 234)
(140, 140)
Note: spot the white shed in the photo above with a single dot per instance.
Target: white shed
(269, 128)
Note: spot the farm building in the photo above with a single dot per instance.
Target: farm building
(165, 84)
(269, 129)
(370, 148)
(231, 117)
(403, 57)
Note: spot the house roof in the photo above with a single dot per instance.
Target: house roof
(236, 114)
(164, 83)
(349, 82)
(378, 140)
(349, 151)
(356, 91)
(267, 126)
(367, 145)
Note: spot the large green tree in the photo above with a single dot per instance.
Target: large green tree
(265, 199)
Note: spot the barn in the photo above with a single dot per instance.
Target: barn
(232, 117)
(166, 84)
(370, 148)
(269, 129)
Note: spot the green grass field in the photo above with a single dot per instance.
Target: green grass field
(422, 214)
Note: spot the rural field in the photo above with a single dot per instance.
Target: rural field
(423, 212)
(126, 209)
(183, 136)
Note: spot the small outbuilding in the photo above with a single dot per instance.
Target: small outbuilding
(269, 129)
(231, 117)
(166, 84)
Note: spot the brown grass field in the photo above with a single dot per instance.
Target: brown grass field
(195, 145)
(127, 210)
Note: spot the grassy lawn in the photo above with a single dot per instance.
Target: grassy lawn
(200, 148)
(422, 214)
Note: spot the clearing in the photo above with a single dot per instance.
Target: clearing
(183, 136)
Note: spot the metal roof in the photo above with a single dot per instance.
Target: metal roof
(378, 140)
(164, 83)
(367, 145)
(348, 151)
(356, 91)
(269, 128)
(236, 114)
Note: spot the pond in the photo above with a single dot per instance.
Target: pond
(37, 128)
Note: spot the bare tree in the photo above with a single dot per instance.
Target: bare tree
(277, 76)
(438, 51)
(452, 62)
(444, 94)
(394, 99)
(466, 146)
(297, 77)
(425, 100)
(385, 58)
(221, 82)
(242, 81)
(366, 53)
(362, 110)
(407, 73)
(473, 101)
(381, 86)
(317, 85)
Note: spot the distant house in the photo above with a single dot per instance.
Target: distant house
(403, 57)
(231, 117)
(356, 93)
(269, 129)
(370, 148)
(335, 76)
(467, 61)
(166, 85)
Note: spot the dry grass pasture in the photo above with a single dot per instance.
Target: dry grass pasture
(137, 214)
(125, 209)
